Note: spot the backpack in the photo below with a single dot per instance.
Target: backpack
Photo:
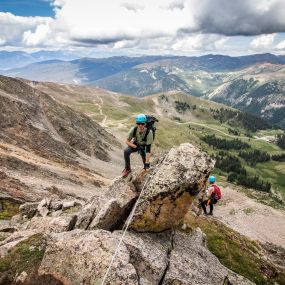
(217, 194)
(150, 121)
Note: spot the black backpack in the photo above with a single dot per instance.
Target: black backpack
(150, 121)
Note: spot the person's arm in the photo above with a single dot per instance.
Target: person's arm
(130, 144)
(129, 139)
(211, 191)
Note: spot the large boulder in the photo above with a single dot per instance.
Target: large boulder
(52, 224)
(149, 255)
(171, 188)
(82, 257)
(110, 210)
(191, 262)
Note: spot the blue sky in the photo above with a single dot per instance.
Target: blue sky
(132, 27)
(27, 7)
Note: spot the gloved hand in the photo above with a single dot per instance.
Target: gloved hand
(146, 166)
(140, 149)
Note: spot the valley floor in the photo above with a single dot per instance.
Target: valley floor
(251, 218)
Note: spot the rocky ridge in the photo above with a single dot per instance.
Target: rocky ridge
(76, 241)
(44, 142)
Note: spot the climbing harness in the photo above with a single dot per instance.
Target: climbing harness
(126, 226)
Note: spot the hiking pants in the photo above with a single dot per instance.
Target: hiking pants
(209, 202)
(127, 153)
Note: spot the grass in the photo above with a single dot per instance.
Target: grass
(171, 133)
(24, 256)
(236, 252)
(115, 113)
(8, 209)
(248, 211)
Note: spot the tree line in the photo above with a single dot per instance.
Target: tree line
(238, 174)
(280, 140)
(278, 157)
(254, 156)
(245, 120)
(225, 144)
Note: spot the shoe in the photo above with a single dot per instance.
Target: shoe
(210, 214)
(126, 172)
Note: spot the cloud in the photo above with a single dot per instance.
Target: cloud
(280, 45)
(263, 42)
(198, 42)
(109, 21)
(188, 25)
(240, 17)
(13, 27)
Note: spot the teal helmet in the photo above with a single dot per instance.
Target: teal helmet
(212, 179)
(141, 118)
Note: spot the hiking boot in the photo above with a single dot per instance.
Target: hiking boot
(126, 172)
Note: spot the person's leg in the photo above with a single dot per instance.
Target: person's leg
(211, 207)
(203, 205)
(127, 153)
(143, 156)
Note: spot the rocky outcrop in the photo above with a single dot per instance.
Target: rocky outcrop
(190, 262)
(82, 257)
(171, 189)
(110, 210)
(45, 144)
(80, 241)
(149, 255)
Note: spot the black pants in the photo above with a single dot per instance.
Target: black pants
(127, 153)
(209, 202)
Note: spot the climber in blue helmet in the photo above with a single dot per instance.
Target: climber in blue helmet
(211, 197)
(139, 140)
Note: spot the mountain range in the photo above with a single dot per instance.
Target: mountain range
(251, 83)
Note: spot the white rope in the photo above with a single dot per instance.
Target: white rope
(127, 224)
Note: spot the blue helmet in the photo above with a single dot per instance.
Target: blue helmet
(212, 179)
(141, 118)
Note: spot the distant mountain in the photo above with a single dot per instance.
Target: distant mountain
(230, 80)
(17, 59)
(88, 70)
(80, 71)
(259, 90)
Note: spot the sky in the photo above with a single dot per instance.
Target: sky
(138, 27)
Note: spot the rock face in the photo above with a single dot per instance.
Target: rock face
(80, 242)
(170, 191)
(109, 211)
(149, 255)
(191, 262)
(44, 139)
(82, 257)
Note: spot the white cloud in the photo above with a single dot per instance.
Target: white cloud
(280, 45)
(161, 25)
(198, 42)
(263, 42)
(13, 27)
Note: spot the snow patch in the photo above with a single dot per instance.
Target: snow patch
(153, 75)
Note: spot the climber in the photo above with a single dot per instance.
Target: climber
(139, 140)
(211, 197)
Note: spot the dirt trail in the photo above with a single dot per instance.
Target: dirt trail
(103, 123)
(250, 218)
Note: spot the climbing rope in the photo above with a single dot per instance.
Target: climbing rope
(126, 226)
